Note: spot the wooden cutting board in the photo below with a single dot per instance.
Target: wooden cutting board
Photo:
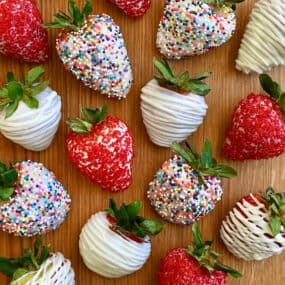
(228, 87)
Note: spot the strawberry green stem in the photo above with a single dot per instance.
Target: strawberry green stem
(276, 203)
(31, 260)
(203, 164)
(24, 90)
(75, 18)
(221, 3)
(206, 257)
(273, 89)
(91, 116)
(128, 221)
(182, 82)
(8, 176)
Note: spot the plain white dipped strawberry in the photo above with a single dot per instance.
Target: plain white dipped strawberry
(30, 112)
(255, 228)
(173, 106)
(116, 242)
(263, 43)
(93, 49)
(38, 266)
(188, 185)
(32, 200)
(191, 27)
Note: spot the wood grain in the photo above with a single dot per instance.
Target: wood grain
(228, 87)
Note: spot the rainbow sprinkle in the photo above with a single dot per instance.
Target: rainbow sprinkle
(178, 197)
(190, 28)
(39, 205)
(96, 55)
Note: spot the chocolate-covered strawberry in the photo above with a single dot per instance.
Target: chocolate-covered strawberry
(101, 148)
(255, 228)
(257, 129)
(190, 27)
(32, 200)
(21, 33)
(38, 266)
(195, 265)
(30, 111)
(173, 107)
(93, 49)
(116, 242)
(188, 185)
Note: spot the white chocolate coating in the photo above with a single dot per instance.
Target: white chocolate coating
(108, 253)
(170, 116)
(263, 43)
(56, 270)
(34, 129)
(251, 238)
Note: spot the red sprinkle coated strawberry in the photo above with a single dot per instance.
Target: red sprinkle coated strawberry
(257, 130)
(182, 266)
(21, 34)
(134, 8)
(102, 149)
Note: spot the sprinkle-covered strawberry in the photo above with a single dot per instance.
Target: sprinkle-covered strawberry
(30, 111)
(21, 34)
(134, 8)
(102, 149)
(116, 242)
(262, 46)
(38, 266)
(255, 228)
(32, 200)
(188, 186)
(257, 129)
(195, 265)
(93, 49)
(191, 27)
(173, 106)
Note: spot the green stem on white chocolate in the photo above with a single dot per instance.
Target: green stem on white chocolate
(221, 3)
(183, 82)
(24, 90)
(203, 164)
(31, 260)
(8, 177)
(91, 116)
(74, 19)
(128, 221)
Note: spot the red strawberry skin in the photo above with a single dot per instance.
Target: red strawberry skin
(21, 34)
(179, 268)
(134, 8)
(257, 130)
(104, 155)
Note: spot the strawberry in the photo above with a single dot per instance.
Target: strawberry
(38, 266)
(257, 130)
(32, 200)
(190, 27)
(195, 265)
(134, 8)
(102, 149)
(188, 186)
(21, 34)
(93, 49)
(173, 106)
(255, 228)
(115, 242)
(262, 46)
(30, 112)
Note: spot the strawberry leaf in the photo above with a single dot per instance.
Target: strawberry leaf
(36, 89)
(269, 86)
(4, 92)
(282, 101)
(11, 108)
(228, 269)
(15, 90)
(87, 8)
(34, 75)
(19, 273)
(10, 76)
(206, 155)
(128, 221)
(7, 267)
